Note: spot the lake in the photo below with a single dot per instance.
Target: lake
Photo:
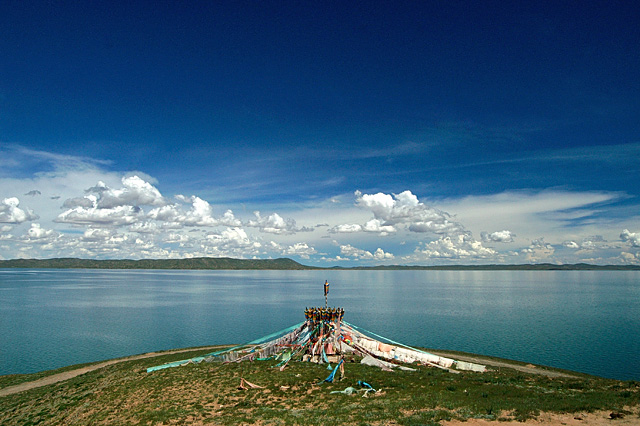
(587, 321)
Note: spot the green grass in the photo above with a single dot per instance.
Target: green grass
(125, 394)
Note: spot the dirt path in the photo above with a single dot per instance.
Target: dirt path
(66, 375)
(530, 369)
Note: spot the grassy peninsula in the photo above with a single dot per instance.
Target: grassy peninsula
(226, 263)
(210, 393)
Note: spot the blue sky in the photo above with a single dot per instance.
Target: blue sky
(334, 134)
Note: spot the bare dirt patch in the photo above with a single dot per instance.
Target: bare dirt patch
(598, 418)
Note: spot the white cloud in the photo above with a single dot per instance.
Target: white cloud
(360, 254)
(199, 214)
(374, 225)
(404, 208)
(97, 234)
(117, 216)
(630, 237)
(571, 244)
(300, 249)
(129, 217)
(538, 250)
(228, 219)
(86, 202)
(497, 237)
(144, 228)
(630, 258)
(104, 206)
(460, 246)
(134, 192)
(380, 254)
(275, 224)
(36, 232)
(11, 213)
(181, 239)
(564, 214)
(346, 228)
(594, 242)
(232, 238)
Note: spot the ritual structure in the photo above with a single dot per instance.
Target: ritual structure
(324, 337)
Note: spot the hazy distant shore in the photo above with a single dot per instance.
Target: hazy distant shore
(226, 263)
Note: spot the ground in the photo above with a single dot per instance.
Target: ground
(122, 392)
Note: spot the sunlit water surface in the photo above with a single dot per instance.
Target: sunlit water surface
(579, 320)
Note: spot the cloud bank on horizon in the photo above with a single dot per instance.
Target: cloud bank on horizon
(391, 133)
(85, 211)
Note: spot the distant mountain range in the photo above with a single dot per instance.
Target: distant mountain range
(277, 264)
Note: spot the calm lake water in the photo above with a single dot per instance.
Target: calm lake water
(579, 320)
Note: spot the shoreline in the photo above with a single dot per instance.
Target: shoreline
(225, 263)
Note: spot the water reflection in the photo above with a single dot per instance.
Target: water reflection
(586, 321)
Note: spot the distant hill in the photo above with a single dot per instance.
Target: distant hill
(279, 264)
(521, 267)
(195, 263)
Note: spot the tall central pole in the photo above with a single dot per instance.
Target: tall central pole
(326, 292)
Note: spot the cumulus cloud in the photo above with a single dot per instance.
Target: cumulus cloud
(36, 232)
(104, 206)
(228, 219)
(380, 254)
(117, 216)
(144, 228)
(275, 224)
(300, 249)
(631, 237)
(593, 242)
(98, 188)
(629, 258)
(10, 212)
(86, 202)
(461, 246)
(375, 225)
(354, 252)
(97, 234)
(405, 208)
(497, 237)
(200, 214)
(346, 229)
(130, 217)
(232, 238)
(538, 250)
(4, 233)
(135, 191)
(181, 239)
(590, 243)
(571, 244)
